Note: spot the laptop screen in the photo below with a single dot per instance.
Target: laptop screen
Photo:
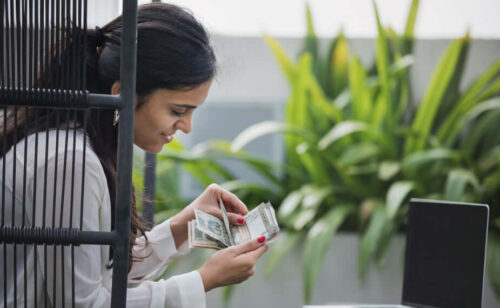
(445, 251)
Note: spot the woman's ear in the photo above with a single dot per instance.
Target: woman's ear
(115, 88)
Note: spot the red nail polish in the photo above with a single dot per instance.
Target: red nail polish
(241, 220)
(261, 239)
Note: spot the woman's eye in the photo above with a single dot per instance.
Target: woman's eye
(179, 113)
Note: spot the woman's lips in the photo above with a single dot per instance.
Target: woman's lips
(167, 138)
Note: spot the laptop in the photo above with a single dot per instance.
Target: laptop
(445, 256)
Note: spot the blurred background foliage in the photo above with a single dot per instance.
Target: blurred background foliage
(358, 147)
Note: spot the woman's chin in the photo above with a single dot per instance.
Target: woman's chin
(153, 149)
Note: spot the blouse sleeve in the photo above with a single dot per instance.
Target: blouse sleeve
(92, 279)
(159, 252)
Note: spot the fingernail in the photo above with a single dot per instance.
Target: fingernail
(241, 220)
(261, 239)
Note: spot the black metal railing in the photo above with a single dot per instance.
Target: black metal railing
(32, 34)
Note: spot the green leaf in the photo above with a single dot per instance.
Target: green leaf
(440, 82)
(200, 174)
(313, 196)
(265, 128)
(358, 153)
(421, 159)
(370, 239)
(396, 195)
(290, 204)
(313, 163)
(496, 222)
(384, 104)
(286, 64)
(310, 27)
(361, 101)
(388, 169)
(303, 217)
(401, 65)
(278, 251)
(456, 184)
(412, 18)
(486, 106)
(450, 135)
(472, 96)
(384, 243)
(311, 45)
(297, 111)
(227, 293)
(253, 188)
(321, 102)
(215, 149)
(317, 242)
(493, 262)
(338, 66)
(341, 130)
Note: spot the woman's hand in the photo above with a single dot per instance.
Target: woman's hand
(232, 265)
(208, 202)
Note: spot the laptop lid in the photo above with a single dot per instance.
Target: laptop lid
(445, 254)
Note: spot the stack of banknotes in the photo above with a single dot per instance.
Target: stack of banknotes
(208, 231)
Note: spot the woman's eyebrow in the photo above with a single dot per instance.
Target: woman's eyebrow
(185, 106)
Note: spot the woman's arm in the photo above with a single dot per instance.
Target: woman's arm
(92, 278)
(168, 240)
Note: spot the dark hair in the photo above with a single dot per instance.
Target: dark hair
(173, 52)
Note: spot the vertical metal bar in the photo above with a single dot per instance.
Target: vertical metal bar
(4, 82)
(84, 58)
(85, 114)
(13, 222)
(86, 111)
(44, 211)
(76, 37)
(3, 207)
(125, 151)
(148, 204)
(62, 202)
(14, 138)
(149, 189)
(2, 47)
(12, 49)
(26, 79)
(65, 39)
(35, 259)
(46, 73)
(54, 205)
(72, 206)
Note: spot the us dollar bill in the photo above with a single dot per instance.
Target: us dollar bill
(212, 226)
(258, 222)
(208, 231)
(199, 239)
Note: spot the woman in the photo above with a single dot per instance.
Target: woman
(175, 69)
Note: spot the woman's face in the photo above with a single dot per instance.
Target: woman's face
(163, 113)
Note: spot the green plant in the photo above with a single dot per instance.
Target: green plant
(357, 148)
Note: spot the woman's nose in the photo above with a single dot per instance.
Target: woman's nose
(184, 124)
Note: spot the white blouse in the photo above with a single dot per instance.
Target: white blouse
(91, 276)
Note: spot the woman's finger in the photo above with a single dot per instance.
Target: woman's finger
(235, 219)
(230, 200)
(249, 245)
(257, 253)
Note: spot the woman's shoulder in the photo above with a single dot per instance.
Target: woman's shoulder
(55, 144)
